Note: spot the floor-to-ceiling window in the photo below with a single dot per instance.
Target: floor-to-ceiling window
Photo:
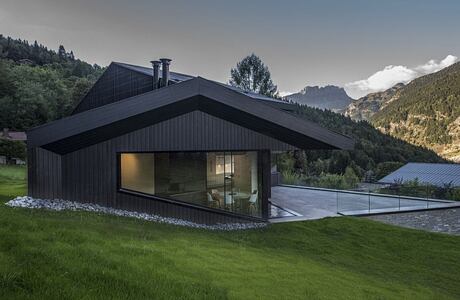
(221, 180)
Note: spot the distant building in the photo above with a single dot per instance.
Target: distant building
(26, 61)
(426, 173)
(13, 135)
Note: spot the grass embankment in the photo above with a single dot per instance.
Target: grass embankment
(50, 255)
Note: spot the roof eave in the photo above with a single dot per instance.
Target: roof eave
(131, 107)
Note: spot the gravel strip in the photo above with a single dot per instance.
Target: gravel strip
(59, 205)
(442, 220)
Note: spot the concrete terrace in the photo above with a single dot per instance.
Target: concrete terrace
(309, 203)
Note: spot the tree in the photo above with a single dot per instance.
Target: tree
(252, 75)
(7, 87)
(300, 163)
(13, 149)
(61, 52)
(81, 87)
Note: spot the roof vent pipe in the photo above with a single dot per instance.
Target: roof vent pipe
(156, 73)
(165, 70)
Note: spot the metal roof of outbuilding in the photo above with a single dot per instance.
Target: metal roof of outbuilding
(427, 173)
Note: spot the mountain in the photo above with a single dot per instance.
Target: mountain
(426, 113)
(365, 107)
(329, 97)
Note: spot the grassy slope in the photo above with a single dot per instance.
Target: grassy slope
(46, 254)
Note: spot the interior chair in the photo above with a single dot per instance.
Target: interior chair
(253, 202)
(211, 201)
(228, 200)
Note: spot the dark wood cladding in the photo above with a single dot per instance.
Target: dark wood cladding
(265, 168)
(115, 84)
(196, 131)
(44, 174)
(90, 174)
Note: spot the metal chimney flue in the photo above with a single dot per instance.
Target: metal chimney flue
(156, 73)
(165, 70)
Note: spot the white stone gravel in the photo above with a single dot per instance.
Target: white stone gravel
(59, 205)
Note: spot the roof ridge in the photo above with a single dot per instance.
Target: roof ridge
(122, 64)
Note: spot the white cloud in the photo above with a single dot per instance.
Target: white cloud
(391, 75)
(433, 66)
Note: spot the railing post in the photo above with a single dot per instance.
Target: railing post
(337, 200)
(369, 194)
(426, 189)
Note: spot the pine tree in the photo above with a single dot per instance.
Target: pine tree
(252, 75)
(61, 52)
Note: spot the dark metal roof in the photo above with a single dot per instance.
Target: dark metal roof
(176, 77)
(111, 120)
(426, 173)
(179, 77)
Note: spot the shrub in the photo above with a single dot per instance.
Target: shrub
(289, 177)
(12, 149)
(332, 181)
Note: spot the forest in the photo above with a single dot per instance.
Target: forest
(375, 155)
(38, 85)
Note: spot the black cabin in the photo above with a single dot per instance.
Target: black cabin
(169, 144)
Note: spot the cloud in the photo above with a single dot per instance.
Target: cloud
(391, 75)
(433, 66)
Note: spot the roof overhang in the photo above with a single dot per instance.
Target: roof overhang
(115, 119)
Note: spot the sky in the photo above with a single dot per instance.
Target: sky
(362, 45)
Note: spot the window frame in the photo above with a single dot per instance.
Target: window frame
(120, 189)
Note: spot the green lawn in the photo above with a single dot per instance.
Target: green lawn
(80, 255)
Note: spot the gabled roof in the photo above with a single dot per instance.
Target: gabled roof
(426, 173)
(108, 121)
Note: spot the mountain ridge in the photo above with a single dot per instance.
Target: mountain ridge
(323, 97)
(364, 108)
(426, 113)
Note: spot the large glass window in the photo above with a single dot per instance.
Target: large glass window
(221, 180)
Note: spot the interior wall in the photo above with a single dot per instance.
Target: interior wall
(138, 172)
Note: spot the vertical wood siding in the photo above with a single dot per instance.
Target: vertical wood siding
(115, 84)
(44, 174)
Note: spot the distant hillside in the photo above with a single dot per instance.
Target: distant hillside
(329, 97)
(374, 151)
(427, 113)
(38, 85)
(365, 107)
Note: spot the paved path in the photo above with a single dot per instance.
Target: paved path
(443, 220)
